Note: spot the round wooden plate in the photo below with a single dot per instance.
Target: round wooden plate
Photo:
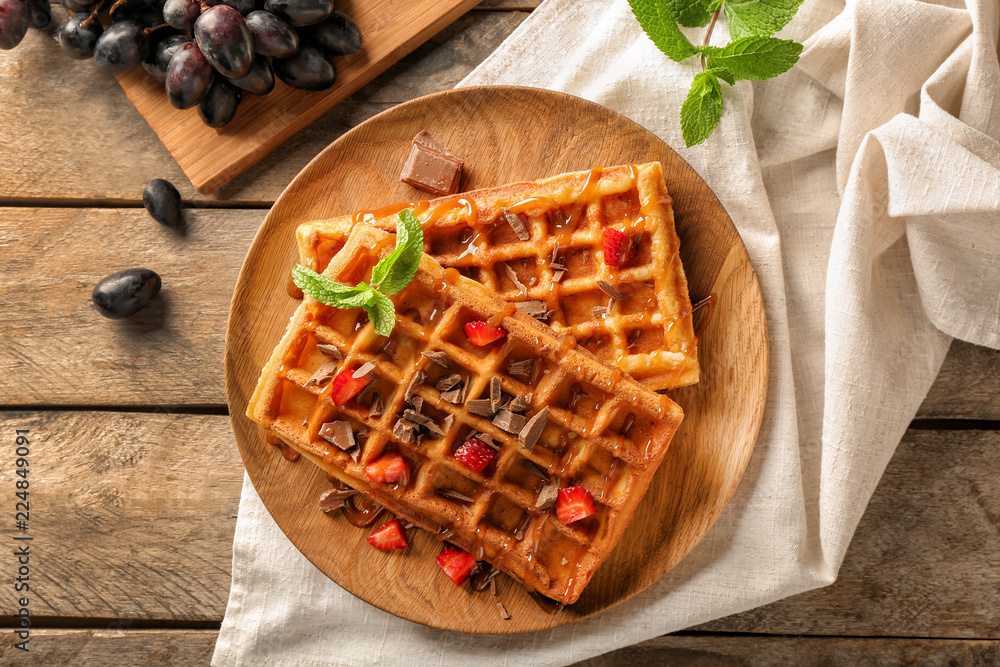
(508, 134)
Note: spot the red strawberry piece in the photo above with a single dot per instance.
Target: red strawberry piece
(483, 333)
(389, 468)
(475, 454)
(618, 248)
(389, 537)
(457, 564)
(345, 386)
(573, 504)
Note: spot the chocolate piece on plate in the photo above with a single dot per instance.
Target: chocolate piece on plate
(331, 351)
(508, 421)
(547, 497)
(516, 224)
(531, 431)
(333, 499)
(431, 167)
(481, 407)
(326, 372)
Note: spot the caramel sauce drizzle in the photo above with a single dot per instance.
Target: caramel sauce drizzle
(708, 303)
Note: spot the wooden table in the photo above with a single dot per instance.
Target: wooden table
(135, 477)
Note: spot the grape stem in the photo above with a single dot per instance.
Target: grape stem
(156, 28)
(708, 34)
(85, 23)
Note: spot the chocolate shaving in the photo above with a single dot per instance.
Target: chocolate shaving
(508, 421)
(424, 421)
(361, 435)
(555, 253)
(455, 495)
(448, 422)
(330, 351)
(514, 279)
(536, 309)
(600, 311)
(609, 289)
(493, 585)
(486, 439)
(531, 431)
(448, 382)
(326, 372)
(547, 497)
(405, 431)
(496, 393)
(521, 527)
(480, 406)
(333, 499)
(417, 402)
(377, 408)
(557, 276)
(504, 614)
(520, 368)
(454, 396)
(534, 469)
(338, 433)
(365, 369)
(438, 357)
(367, 390)
(520, 404)
(516, 224)
(633, 337)
(574, 397)
(417, 378)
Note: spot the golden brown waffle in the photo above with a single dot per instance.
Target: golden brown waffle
(605, 431)
(648, 333)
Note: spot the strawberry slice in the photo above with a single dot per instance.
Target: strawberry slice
(345, 386)
(618, 248)
(483, 333)
(389, 468)
(457, 564)
(573, 504)
(389, 537)
(475, 454)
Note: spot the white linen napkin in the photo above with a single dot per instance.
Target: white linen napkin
(866, 185)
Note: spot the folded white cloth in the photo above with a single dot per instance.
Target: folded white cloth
(866, 185)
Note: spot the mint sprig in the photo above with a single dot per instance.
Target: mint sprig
(392, 273)
(752, 55)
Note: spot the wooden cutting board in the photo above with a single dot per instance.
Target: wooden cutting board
(486, 126)
(211, 158)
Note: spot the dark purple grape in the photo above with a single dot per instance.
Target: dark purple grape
(260, 80)
(224, 38)
(125, 292)
(272, 37)
(181, 14)
(337, 35)
(156, 64)
(300, 12)
(15, 17)
(244, 7)
(309, 69)
(146, 12)
(79, 6)
(78, 35)
(41, 14)
(188, 76)
(163, 202)
(121, 47)
(219, 106)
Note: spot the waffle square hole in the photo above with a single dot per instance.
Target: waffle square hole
(345, 322)
(455, 487)
(594, 525)
(625, 206)
(557, 553)
(502, 233)
(599, 345)
(524, 268)
(419, 308)
(459, 338)
(644, 250)
(579, 262)
(582, 400)
(523, 366)
(398, 349)
(601, 475)
(580, 308)
(631, 426)
(508, 517)
(637, 298)
(519, 473)
(447, 243)
(464, 433)
(641, 340)
(556, 439)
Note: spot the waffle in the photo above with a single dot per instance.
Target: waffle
(648, 333)
(605, 431)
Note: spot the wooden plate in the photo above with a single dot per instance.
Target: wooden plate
(211, 158)
(507, 134)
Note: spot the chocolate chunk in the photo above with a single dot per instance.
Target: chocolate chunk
(514, 279)
(633, 337)
(534, 469)
(326, 372)
(417, 378)
(377, 408)
(496, 393)
(520, 368)
(331, 351)
(536, 309)
(424, 421)
(438, 357)
(453, 396)
(431, 167)
(368, 388)
(609, 289)
(405, 431)
(455, 495)
(555, 252)
(508, 421)
(531, 431)
(354, 453)
(338, 433)
(448, 422)
(448, 382)
(515, 222)
(481, 407)
(361, 435)
(520, 404)
(333, 499)
(487, 439)
(493, 585)
(417, 402)
(547, 497)
(504, 614)
(365, 369)
(557, 276)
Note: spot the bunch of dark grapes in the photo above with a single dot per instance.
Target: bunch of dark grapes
(207, 53)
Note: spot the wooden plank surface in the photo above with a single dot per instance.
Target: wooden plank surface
(113, 647)
(171, 354)
(925, 561)
(46, 153)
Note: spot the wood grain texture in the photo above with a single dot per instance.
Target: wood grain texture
(485, 126)
(43, 158)
(132, 515)
(113, 647)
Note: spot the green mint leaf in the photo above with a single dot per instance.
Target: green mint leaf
(724, 74)
(702, 109)
(712, 5)
(759, 17)
(396, 270)
(657, 22)
(755, 57)
(327, 291)
(381, 312)
(690, 13)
